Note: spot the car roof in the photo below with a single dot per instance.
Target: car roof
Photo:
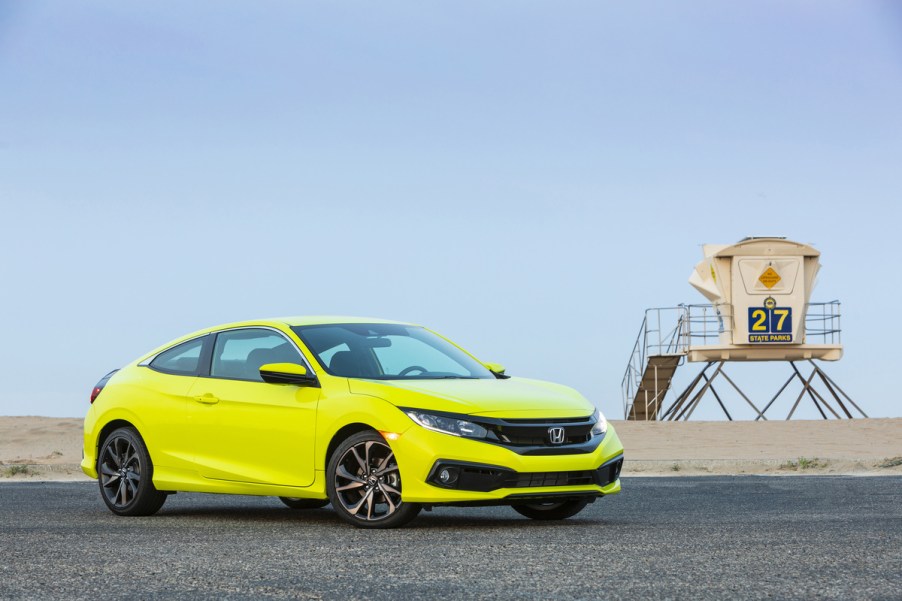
(316, 320)
(299, 320)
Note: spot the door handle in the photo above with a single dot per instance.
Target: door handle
(207, 399)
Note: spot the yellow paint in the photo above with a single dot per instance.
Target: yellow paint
(760, 317)
(782, 314)
(208, 434)
(769, 278)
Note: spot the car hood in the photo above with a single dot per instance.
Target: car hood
(511, 397)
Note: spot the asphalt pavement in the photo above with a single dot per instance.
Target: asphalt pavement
(809, 537)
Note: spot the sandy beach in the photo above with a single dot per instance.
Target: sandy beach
(46, 448)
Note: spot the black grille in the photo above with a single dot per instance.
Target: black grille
(531, 479)
(486, 478)
(479, 478)
(531, 433)
(533, 436)
(517, 439)
(561, 420)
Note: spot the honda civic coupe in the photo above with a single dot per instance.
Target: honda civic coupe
(381, 419)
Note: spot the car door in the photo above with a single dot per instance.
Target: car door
(247, 430)
(161, 394)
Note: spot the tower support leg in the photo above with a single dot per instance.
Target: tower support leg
(811, 392)
(805, 386)
(685, 394)
(689, 399)
(747, 400)
(720, 402)
(774, 398)
(830, 384)
(698, 396)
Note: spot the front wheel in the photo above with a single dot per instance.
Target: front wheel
(552, 511)
(125, 474)
(364, 483)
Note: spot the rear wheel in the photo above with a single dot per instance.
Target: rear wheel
(298, 503)
(560, 510)
(125, 474)
(364, 483)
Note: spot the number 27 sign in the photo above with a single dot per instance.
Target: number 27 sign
(770, 323)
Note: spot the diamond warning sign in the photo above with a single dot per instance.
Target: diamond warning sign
(769, 278)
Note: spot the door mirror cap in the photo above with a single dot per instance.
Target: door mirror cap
(287, 373)
(497, 369)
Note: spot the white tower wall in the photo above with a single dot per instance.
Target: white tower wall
(761, 288)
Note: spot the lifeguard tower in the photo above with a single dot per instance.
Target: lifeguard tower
(759, 291)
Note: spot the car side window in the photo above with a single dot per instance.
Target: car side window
(239, 354)
(182, 359)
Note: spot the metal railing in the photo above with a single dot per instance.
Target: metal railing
(707, 324)
(673, 331)
(822, 323)
(655, 340)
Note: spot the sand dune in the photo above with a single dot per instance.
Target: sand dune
(50, 448)
(859, 446)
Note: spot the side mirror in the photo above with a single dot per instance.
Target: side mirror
(497, 369)
(287, 373)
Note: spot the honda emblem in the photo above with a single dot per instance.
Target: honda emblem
(556, 435)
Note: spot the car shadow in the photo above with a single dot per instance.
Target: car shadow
(463, 522)
(427, 520)
(255, 514)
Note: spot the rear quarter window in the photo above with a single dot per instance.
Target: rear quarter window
(182, 359)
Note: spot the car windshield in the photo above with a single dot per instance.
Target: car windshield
(388, 352)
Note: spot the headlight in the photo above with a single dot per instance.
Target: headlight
(601, 424)
(448, 425)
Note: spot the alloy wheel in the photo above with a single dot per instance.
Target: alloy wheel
(120, 471)
(367, 482)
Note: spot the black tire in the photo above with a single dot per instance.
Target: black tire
(364, 484)
(298, 503)
(560, 510)
(125, 475)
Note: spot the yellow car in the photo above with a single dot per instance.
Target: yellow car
(381, 419)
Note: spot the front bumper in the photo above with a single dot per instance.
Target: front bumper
(491, 474)
(456, 475)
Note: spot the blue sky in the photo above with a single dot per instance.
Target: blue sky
(524, 177)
